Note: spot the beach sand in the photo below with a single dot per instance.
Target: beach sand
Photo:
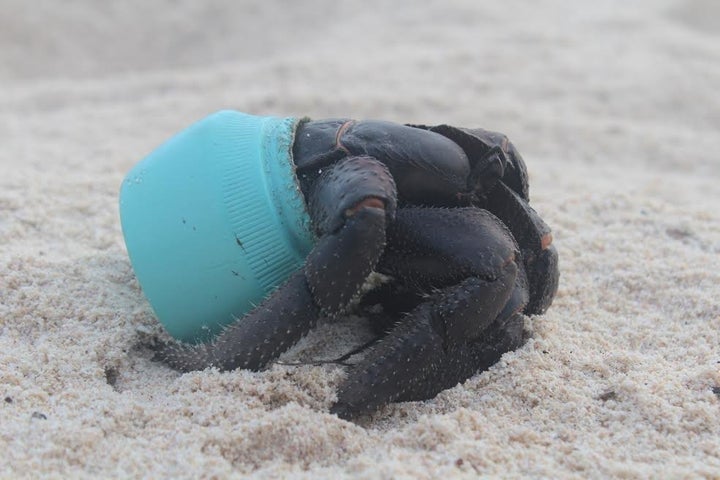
(615, 107)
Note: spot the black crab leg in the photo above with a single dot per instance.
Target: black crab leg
(255, 339)
(499, 180)
(462, 328)
(539, 256)
(493, 157)
(350, 202)
(352, 228)
(425, 355)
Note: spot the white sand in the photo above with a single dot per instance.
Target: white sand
(615, 106)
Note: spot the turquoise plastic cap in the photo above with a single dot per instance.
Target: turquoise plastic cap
(214, 220)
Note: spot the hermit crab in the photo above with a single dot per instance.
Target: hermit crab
(443, 214)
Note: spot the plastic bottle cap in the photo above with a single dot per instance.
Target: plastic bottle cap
(214, 220)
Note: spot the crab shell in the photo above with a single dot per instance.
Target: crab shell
(214, 220)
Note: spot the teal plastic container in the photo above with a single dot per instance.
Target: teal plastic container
(214, 220)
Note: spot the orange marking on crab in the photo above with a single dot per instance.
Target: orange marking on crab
(340, 132)
(546, 241)
(370, 202)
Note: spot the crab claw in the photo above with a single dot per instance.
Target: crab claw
(539, 256)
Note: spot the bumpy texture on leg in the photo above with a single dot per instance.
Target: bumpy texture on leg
(339, 264)
(341, 188)
(256, 339)
(493, 157)
(438, 247)
(439, 344)
(499, 179)
(459, 329)
(352, 201)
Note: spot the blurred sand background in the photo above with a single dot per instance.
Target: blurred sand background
(615, 106)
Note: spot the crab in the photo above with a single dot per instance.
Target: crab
(443, 214)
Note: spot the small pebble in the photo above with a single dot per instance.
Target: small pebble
(38, 415)
(609, 395)
(8, 400)
(111, 376)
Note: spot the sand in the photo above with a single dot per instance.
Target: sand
(615, 106)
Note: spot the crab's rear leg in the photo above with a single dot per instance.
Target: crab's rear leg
(461, 328)
(350, 203)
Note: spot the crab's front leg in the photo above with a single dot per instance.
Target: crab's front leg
(254, 340)
(350, 203)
